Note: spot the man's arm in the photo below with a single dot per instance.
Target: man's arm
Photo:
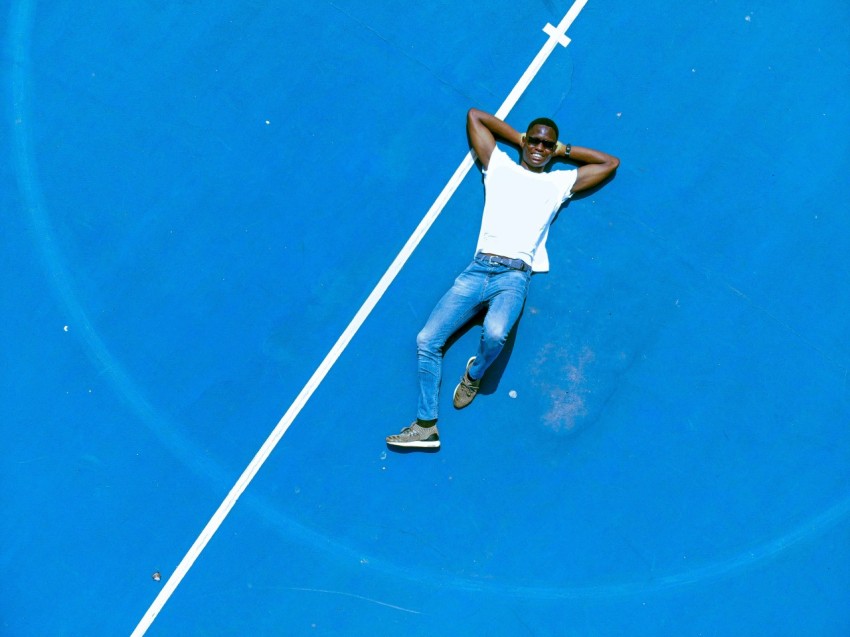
(598, 166)
(483, 129)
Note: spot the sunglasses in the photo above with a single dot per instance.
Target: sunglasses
(536, 141)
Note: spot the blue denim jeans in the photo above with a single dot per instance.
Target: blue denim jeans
(482, 284)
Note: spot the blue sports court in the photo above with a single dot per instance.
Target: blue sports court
(224, 223)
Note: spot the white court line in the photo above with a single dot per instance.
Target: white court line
(557, 35)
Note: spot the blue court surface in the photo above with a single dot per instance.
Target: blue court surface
(215, 265)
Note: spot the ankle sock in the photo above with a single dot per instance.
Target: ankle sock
(426, 423)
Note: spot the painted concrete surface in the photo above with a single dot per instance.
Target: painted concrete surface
(198, 198)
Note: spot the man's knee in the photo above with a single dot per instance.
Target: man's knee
(496, 335)
(426, 341)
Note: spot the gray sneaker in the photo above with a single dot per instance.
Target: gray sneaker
(466, 389)
(416, 436)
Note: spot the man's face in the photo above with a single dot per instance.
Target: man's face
(539, 147)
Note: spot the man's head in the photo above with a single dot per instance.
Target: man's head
(539, 144)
